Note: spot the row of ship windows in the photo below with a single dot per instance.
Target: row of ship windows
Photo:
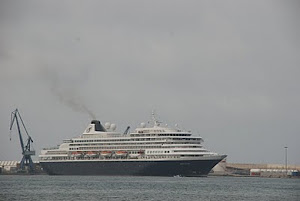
(163, 139)
(137, 147)
(65, 152)
(73, 158)
(146, 157)
(55, 152)
(190, 150)
(141, 143)
(135, 152)
(157, 152)
(168, 134)
(138, 139)
(151, 131)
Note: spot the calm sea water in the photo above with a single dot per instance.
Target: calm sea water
(43, 187)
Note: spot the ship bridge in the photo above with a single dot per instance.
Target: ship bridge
(159, 131)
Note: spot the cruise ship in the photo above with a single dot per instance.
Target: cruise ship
(151, 150)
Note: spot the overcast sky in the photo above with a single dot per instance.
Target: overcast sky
(226, 70)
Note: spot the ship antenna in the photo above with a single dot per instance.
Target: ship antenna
(155, 121)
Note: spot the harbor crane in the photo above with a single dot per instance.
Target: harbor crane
(27, 152)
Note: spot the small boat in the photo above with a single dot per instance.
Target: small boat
(106, 153)
(121, 153)
(76, 154)
(91, 154)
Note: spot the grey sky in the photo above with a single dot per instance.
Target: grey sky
(227, 70)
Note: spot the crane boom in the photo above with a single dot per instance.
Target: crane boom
(26, 150)
(127, 130)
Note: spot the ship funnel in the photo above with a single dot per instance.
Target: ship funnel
(98, 126)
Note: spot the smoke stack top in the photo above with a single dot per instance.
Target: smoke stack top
(98, 126)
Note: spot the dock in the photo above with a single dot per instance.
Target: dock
(256, 170)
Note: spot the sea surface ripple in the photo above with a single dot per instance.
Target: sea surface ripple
(44, 187)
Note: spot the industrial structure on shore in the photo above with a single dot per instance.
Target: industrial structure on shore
(13, 167)
(256, 170)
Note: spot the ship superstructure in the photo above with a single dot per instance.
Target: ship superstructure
(156, 150)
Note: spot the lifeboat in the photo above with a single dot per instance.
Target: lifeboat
(76, 154)
(121, 153)
(106, 153)
(91, 154)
